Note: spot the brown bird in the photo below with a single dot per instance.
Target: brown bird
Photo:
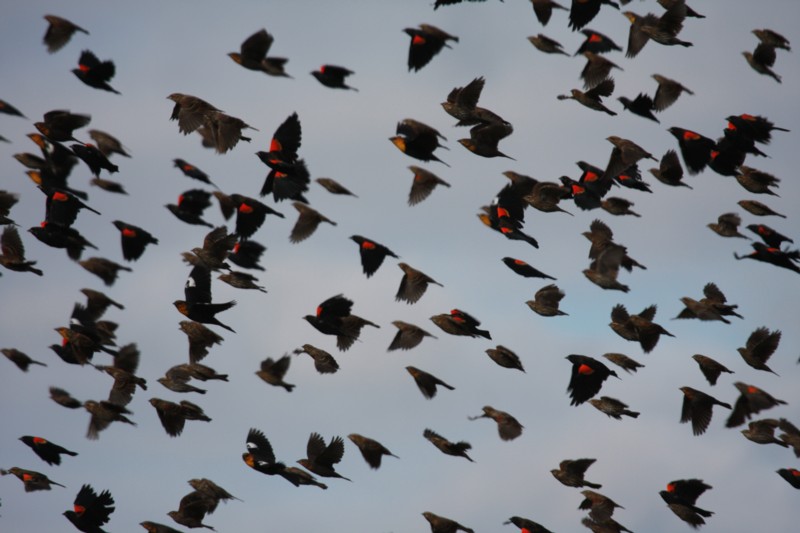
(505, 357)
(173, 416)
(586, 378)
(763, 432)
(105, 269)
(592, 98)
(751, 401)
(241, 280)
(440, 524)
(59, 32)
(103, 414)
(252, 55)
(762, 59)
(545, 196)
(307, 222)
(323, 361)
(408, 336)
(177, 379)
(624, 155)
(59, 124)
(334, 187)
(713, 306)
(619, 206)
(31, 480)
(547, 300)
(596, 70)
(62, 397)
(21, 359)
(667, 92)
(756, 181)
(696, 408)
(333, 317)
(413, 284)
(612, 407)
(458, 322)
(456, 449)
(661, 29)
(484, 138)
(107, 143)
(192, 509)
(200, 339)
(426, 382)
(570, 472)
(123, 371)
(639, 327)
(462, 103)
(600, 507)
(727, 225)
(710, 368)
(760, 346)
(321, 458)
(426, 42)
(790, 435)
(623, 361)
(272, 372)
(547, 45)
(372, 450)
(192, 112)
(423, 184)
(508, 427)
(543, 9)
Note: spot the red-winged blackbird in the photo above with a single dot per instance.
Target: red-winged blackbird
(62, 206)
(710, 368)
(95, 73)
(272, 371)
(250, 215)
(600, 507)
(93, 158)
(190, 207)
(334, 187)
(288, 177)
(197, 305)
(426, 41)
(524, 269)
(586, 378)
(246, 254)
(771, 238)
(760, 346)
(696, 408)
(596, 70)
(642, 105)
(456, 449)
(695, 148)
(321, 458)
(413, 284)
(192, 171)
(372, 254)
(661, 29)
(755, 127)
(372, 450)
(134, 240)
(457, 322)
(333, 317)
(791, 475)
(612, 407)
(333, 76)
(417, 140)
(547, 300)
(667, 92)
(324, 362)
(200, 339)
(103, 413)
(307, 222)
(506, 216)
(408, 336)
(763, 432)
(440, 524)
(623, 361)
(426, 382)
(90, 510)
(31, 480)
(762, 59)
(776, 256)
(593, 97)
(543, 9)
(58, 125)
(107, 143)
(570, 472)
(423, 184)
(681, 496)
(547, 45)
(59, 32)
(582, 12)
(173, 416)
(22, 360)
(105, 269)
(525, 524)
(508, 427)
(597, 43)
(261, 458)
(252, 55)
(13, 252)
(505, 357)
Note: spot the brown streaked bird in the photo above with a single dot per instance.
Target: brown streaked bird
(547, 45)
(426, 42)
(423, 184)
(123, 372)
(586, 378)
(772, 38)
(413, 284)
(593, 98)
(212, 491)
(95, 73)
(757, 181)
(324, 362)
(49, 452)
(192, 509)
(457, 322)
(612, 407)
(619, 206)
(638, 327)
(107, 143)
(426, 382)
(372, 450)
(713, 306)
(13, 252)
(63, 398)
(103, 414)
(762, 59)
(173, 416)
(441, 524)
(543, 9)
(408, 336)
(546, 195)
(307, 222)
(192, 112)
(600, 507)
(31, 480)
(333, 76)
(252, 55)
(241, 280)
(456, 449)
(321, 458)
(596, 70)
(570, 472)
(462, 103)
(21, 359)
(763, 432)
(623, 361)
(372, 254)
(272, 371)
(200, 339)
(505, 357)
(760, 346)
(334, 187)
(177, 379)
(697, 409)
(155, 527)
(661, 29)
(670, 171)
(710, 368)
(625, 154)
(790, 435)
(667, 92)
(727, 225)
(59, 32)
(508, 427)
(604, 269)
(484, 138)
(105, 269)
(546, 301)
(298, 476)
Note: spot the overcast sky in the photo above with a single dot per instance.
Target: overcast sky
(164, 47)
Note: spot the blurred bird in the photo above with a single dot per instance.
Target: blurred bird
(597, 43)
(762, 59)
(760, 346)
(59, 32)
(619, 206)
(639, 327)
(372, 254)
(103, 268)
(250, 215)
(784, 259)
(426, 42)
(756, 181)
(21, 359)
(190, 206)
(49, 452)
(13, 252)
(252, 55)
(408, 336)
(200, 339)
(307, 222)
(90, 510)
(246, 254)
(593, 97)
(413, 284)
(191, 171)
(771, 238)
(173, 416)
(612, 407)
(423, 184)
(321, 458)
(272, 372)
(333, 317)
(570, 472)
(107, 143)
(623, 361)
(103, 414)
(713, 306)
(192, 509)
(697, 407)
(333, 76)
(261, 458)
(192, 112)
(31, 480)
(547, 45)
(625, 154)
(527, 525)
(324, 362)
(596, 70)
(456, 449)
(710, 368)
(458, 322)
(95, 73)
(484, 138)
(642, 105)
(524, 269)
(197, 305)
(763, 432)
(667, 92)
(426, 382)
(546, 301)
(727, 225)
(334, 187)
(670, 171)
(600, 507)
(661, 29)
(58, 125)
(462, 103)
(582, 12)
(586, 378)
(123, 372)
(543, 9)
(372, 450)
(508, 427)
(681, 496)
(791, 475)
(440, 524)
(695, 148)
(63, 398)
(134, 240)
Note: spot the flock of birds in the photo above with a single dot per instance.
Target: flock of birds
(231, 252)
